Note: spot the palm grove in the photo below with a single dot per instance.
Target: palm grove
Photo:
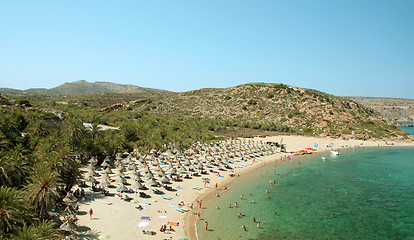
(40, 160)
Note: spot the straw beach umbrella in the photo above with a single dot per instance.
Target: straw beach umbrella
(69, 211)
(136, 186)
(68, 225)
(105, 164)
(108, 170)
(122, 188)
(105, 183)
(69, 198)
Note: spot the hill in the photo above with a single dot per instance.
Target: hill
(398, 109)
(245, 110)
(278, 107)
(83, 87)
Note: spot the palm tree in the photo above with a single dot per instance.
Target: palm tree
(74, 132)
(13, 210)
(42, 230)
(96, 132)
(38, 128)
(69, 172)
(42, 187)
(13, 166)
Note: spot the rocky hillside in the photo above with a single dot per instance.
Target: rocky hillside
(394, 108)
(278, 107)
(84, 87)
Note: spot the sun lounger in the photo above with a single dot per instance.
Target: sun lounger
(180, 210)
(166, 197)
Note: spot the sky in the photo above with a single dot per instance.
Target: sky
(345, 48)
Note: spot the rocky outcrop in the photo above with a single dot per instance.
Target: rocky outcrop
(124, 104)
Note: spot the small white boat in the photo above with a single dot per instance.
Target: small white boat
(335, 153)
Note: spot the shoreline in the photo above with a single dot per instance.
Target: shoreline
(208, 196)
(121, 219)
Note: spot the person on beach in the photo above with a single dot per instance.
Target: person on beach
(230, 205)
(235, 204)
(90, 213)
(198, 215)
(244, 228)
(254, 219)
(206, 225)
(241, 197)
(258, 224)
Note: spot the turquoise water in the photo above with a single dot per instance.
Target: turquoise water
(379, 203)
(409, 130)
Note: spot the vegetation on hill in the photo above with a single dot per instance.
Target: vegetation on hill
(255, 108)
(279, 108)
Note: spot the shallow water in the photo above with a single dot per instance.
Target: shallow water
(379, 203)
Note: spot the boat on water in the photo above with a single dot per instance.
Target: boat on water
(335, 153)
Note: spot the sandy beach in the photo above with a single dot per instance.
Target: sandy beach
(120, 219)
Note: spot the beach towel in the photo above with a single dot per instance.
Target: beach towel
(179, 188)
(146, 218)
(197, 188)
(143, 224)
(145, 204)
(176, 224)
(163, 216)
(172, 205)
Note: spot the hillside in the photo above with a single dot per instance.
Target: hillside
(83, 87)
(278, 107)
(244, 110)
(394, 108)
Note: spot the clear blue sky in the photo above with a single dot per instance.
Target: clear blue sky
(346, 48)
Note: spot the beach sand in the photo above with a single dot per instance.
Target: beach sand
(121, 220)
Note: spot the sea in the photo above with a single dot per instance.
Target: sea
(363, 193)
(409, 130)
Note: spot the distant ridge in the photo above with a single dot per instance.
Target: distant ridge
(84, 87)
